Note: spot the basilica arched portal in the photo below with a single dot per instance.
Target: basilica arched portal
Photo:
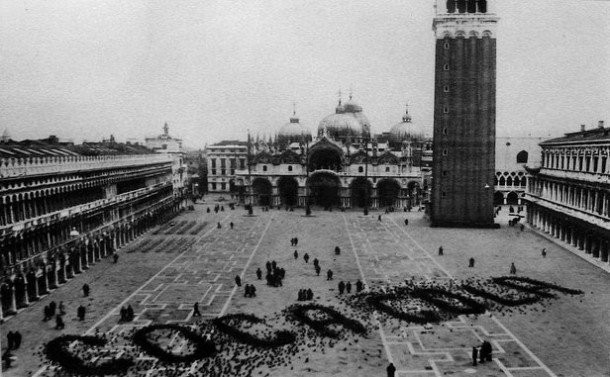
(388, 191)
(324, 189)
(262, 190)
(289, 190)
(361, 189)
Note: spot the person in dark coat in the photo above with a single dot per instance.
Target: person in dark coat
(513, 269)
(471, 262)
(475, 353)
(348, 287)
(306, 257)
(80, 312)
(10, 340)
(238, 281)
(406, 221)
(86, 290)
(16, 340)
(329, 275)
(337, 250)
(296, 255)
(218, 226)
(52, 307)
(129, 313)
(196, 311)
(359, 286)
(318, 270)
(59, 322)
(440, 250)
(391, 369)
(115, 258)
(123, 314)
(231, 224)
(341, 287)
(259, 274)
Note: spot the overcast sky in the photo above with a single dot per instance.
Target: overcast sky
(84, 69)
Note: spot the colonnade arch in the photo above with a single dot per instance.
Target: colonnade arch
(324, 188)
(388, 191)
(262, 190)
(289, 190)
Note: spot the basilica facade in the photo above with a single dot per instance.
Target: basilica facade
(343, 166)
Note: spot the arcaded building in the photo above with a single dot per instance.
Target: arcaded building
(65, 206)
(464, 114)
(569, 194)
(344, 166)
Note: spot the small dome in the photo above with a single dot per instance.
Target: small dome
(294, 129)
(406, 130)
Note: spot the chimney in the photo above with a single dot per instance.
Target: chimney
(600, 124)
(582, 128)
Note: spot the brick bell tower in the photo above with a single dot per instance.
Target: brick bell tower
(464, 114)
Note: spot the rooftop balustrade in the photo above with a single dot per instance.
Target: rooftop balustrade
(19, 167)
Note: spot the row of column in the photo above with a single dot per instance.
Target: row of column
(31, 280)
(590, 200)
(28, 208)
(567, 230)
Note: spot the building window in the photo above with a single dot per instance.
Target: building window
(444, 173)
(446, 110)
(242, 163)
(522, 157)
(446, 67)
(223, 171)
(213, 186)
(446, 46)
(444, 194)
(445, 131)
(223, 186)
(289, 167)
(264, 167)
(387, 169)
(213, 163)
(446, 88)
(213, 171)
(360, 169)
(444, 152)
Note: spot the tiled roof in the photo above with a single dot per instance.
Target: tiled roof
(597, 134)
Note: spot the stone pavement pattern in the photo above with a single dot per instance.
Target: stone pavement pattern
(204, 262)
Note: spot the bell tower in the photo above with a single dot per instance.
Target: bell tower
(464, 114)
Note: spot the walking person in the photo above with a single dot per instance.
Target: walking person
(86, 290)
(231, 224)
(59, 322)
(306, 257)
(391, 369)
(329, 275)
(296, 255)
(259, 273)
(543, 252)
(475, 353)
(440, 250)
(471, 262)
(80, 312)
(513, 269)
(348, 287)
(196, 311)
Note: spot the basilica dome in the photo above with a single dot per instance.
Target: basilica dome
(294, 129)
(407, 130)
(348, 121)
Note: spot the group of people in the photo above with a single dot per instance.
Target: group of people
(49, 310)
(126, 314)
(305, 294)
(275, 274)
(13, 343)
(347, 287)
(250, 290)
(217, 208)
(484, 354)
(294, 241)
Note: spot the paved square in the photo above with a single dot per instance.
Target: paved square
(167, 271)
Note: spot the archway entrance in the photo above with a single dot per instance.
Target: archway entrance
(498, 198)
(262, 191)
(324, 189)
(289, 190)
(361, 189)
(512, 198)
(388, 191)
